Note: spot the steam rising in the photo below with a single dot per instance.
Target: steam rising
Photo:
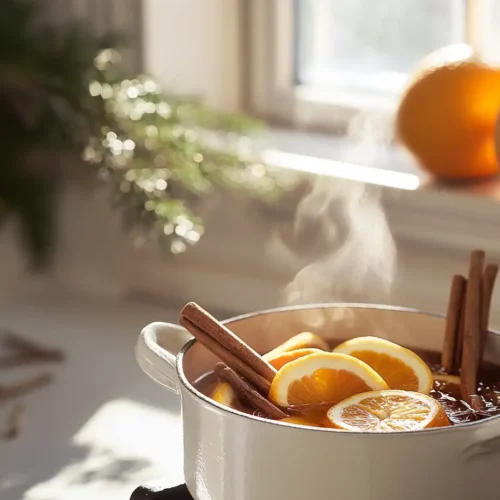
(342, 244)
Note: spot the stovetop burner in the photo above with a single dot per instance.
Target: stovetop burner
(159, 492)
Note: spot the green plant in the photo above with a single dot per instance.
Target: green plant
(64, 98)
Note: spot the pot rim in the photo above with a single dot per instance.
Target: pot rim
(333, 305)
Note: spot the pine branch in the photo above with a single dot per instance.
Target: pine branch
(63, 90)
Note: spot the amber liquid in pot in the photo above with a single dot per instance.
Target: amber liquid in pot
(448, 395)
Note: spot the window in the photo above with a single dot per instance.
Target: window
(318, 62)
(371, 46)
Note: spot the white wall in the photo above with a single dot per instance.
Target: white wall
(193, 46)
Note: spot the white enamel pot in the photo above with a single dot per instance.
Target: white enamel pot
(232, 456)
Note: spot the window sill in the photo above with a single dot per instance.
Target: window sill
(452, 216)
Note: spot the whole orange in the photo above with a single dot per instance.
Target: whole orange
(447, 116)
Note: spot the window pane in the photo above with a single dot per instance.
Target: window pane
(371, 44)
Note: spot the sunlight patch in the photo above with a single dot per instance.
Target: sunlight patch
(128, 444)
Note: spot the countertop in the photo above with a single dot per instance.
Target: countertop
(102, 427)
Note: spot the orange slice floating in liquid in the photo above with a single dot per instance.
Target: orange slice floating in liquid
(447, 384)
(388, 411)
(304, 340)
(322, 378)
(224, 394)
(446, 379)
(285, 357)
(398, 366)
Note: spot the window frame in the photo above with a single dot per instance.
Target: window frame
(270, 89)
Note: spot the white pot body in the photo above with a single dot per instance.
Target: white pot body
(232, 456)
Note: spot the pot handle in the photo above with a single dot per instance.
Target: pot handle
(156, 350)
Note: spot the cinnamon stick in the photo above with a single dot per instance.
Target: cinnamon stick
(452, 323)
(472, 326)
(248, 393)
(15, 360)
(304, 340)
(27, 352)
(489, 277)
(30, 347)
(225, 337)
(228, 357)
(15, 421)
(18, 389)
(459, 344)
(23, 359)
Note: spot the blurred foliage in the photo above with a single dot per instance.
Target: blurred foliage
(64, 98)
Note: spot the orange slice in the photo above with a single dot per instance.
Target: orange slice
(224, 394)
(303, 340)
(447, 384)
(398, 366)
(322, 378)
(285, 357)
(300, 421)
(388, 411)
(446, 379)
